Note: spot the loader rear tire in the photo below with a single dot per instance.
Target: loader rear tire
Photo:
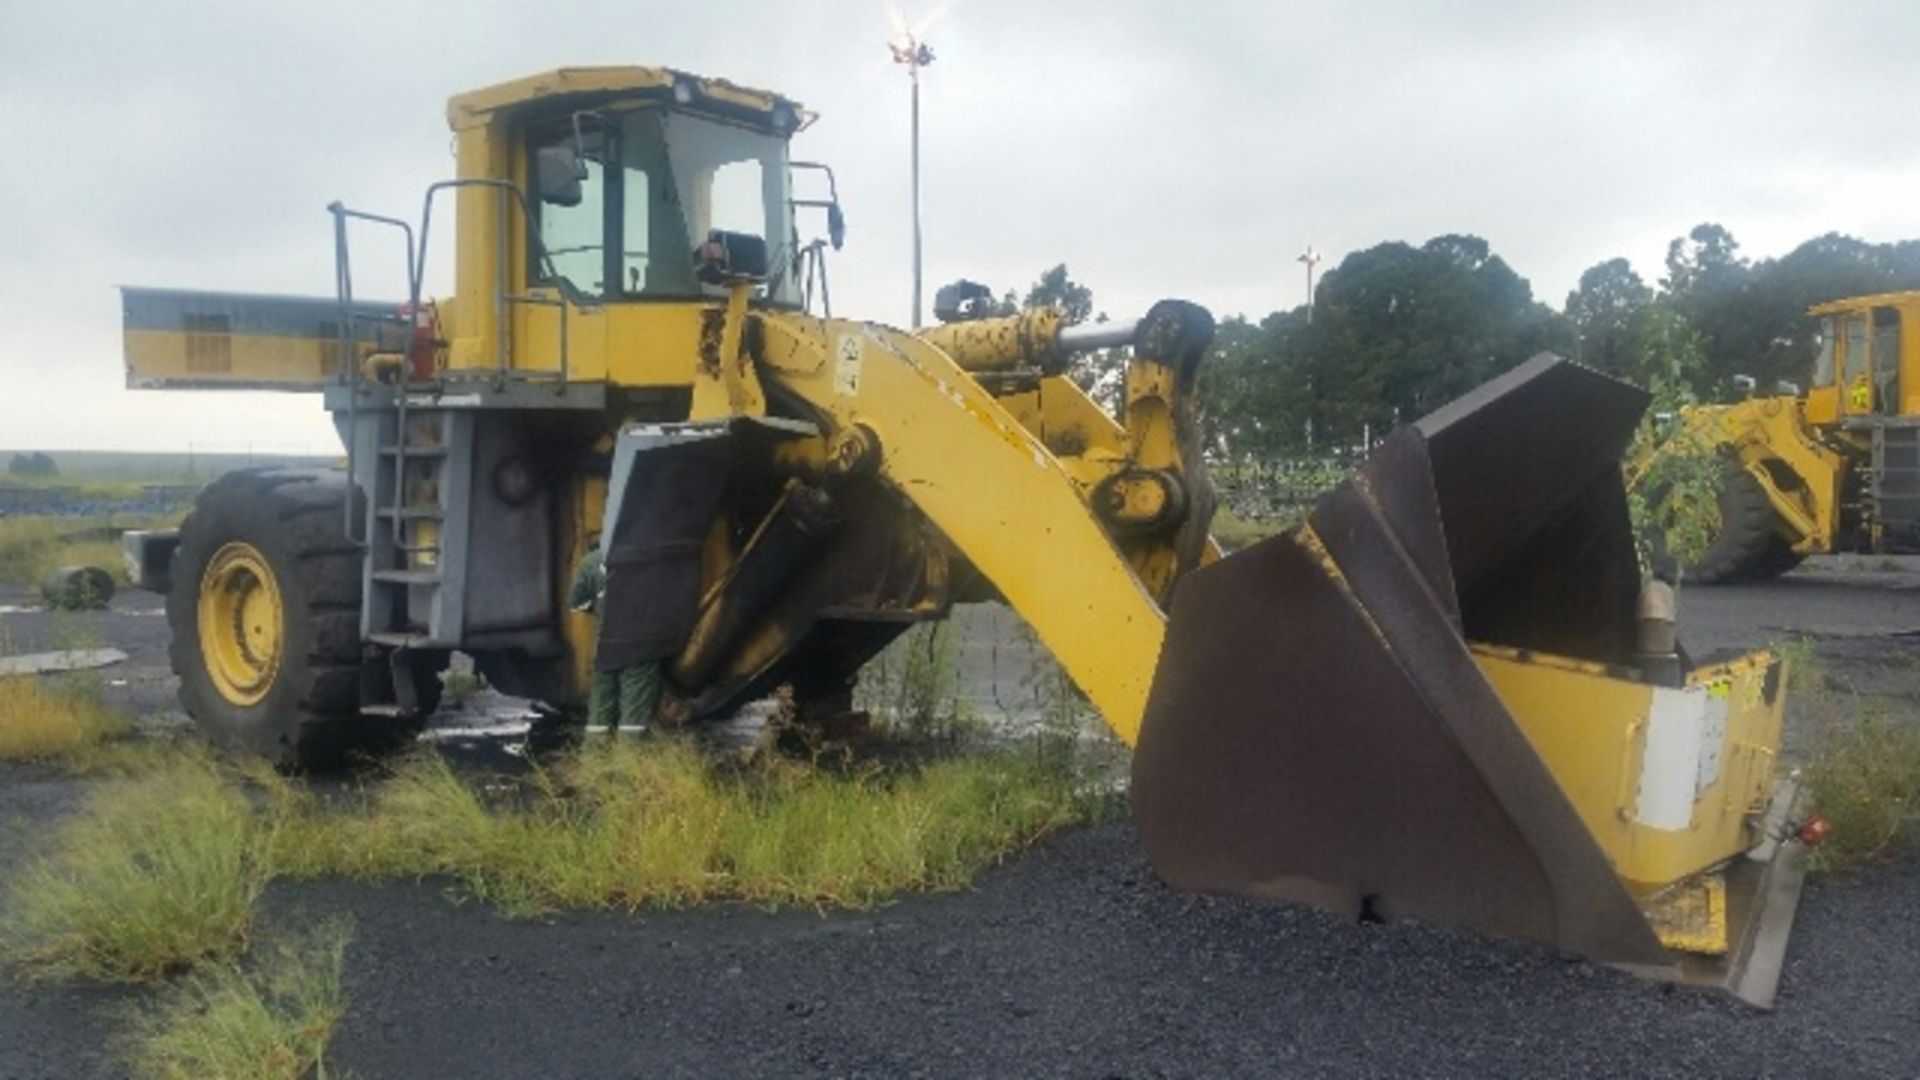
(1777, 559)
(264, 612)
(1747, 535)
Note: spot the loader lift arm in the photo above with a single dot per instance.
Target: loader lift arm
(996, 491)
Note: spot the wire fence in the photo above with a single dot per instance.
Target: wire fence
(1277, 489)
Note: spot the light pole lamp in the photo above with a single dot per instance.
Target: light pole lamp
(915, 54)
(1310, 257)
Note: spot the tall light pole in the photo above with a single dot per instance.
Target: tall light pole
(914, 53)
(1310, 257)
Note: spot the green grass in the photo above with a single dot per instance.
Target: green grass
(159, 871)
(1863, 770)
(1866, 781)
(270, 1019)
(82, 487)
(55, 722)
(656, 825)
(1234, 533)
(459, 686)
(155, 874)
(159, 874)
(33, 547)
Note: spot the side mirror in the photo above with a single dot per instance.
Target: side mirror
(836, 225)
(558, 174)
(729, 257)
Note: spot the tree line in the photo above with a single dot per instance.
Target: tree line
(1396, 330)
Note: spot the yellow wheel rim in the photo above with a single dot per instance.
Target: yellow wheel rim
(242, 624)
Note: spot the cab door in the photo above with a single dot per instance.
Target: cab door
(1856, 367)
(1823, 394)
(1885, 365)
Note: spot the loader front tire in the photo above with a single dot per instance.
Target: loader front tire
(264, 612)
(1742, 549)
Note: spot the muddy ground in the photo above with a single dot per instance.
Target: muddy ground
(1069, 960)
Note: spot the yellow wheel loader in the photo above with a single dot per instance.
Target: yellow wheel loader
(1834, 470)
(1447, 697)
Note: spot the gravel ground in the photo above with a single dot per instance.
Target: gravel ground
(1070, 960)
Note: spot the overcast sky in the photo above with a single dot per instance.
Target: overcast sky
(1190, 149)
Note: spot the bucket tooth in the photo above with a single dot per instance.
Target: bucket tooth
(1320, 729)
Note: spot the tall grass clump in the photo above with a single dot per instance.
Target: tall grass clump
(657, 825)
(42, 722)
(1865, 780)
(153, 875)
(914, 687)
(855, 841)
(1863, 770)
(269, 1019)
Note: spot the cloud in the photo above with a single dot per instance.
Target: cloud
(1158, 149)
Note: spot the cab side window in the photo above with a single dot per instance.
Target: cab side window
(1823, 365)
(1886, 359)
(576, 236)
(1856, 348)
(636, 251)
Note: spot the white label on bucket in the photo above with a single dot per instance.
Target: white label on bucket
(1670, 764)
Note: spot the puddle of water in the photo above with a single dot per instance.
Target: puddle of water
(501, 730)
(64, 660)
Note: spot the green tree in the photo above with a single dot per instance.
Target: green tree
(34, 464)
(1255, 387)
(1707, 258)
(1396, 331)
(1399, 330)
(1101, 373)
(1752, 316)
(1661, 351)
(1610, 295)
(1056, 288)
(1675, 471)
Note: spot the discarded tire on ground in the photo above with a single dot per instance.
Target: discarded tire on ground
(78, 588)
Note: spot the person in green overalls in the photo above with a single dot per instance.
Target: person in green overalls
(629, 697)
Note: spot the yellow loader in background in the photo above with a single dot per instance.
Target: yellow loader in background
(1447, 697)
(1834, 470)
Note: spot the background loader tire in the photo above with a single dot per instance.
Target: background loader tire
(1747, 538)
(1777, 559)
(264, 563)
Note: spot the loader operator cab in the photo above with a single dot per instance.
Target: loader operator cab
(626, 195)
(1869, 361)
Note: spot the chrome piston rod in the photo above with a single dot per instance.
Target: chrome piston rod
(1106, 335)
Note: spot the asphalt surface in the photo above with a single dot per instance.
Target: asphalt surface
(1070, 960)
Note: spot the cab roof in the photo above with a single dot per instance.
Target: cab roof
(478, 106)
(1855, 303)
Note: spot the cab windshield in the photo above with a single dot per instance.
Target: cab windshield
(656, 183)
